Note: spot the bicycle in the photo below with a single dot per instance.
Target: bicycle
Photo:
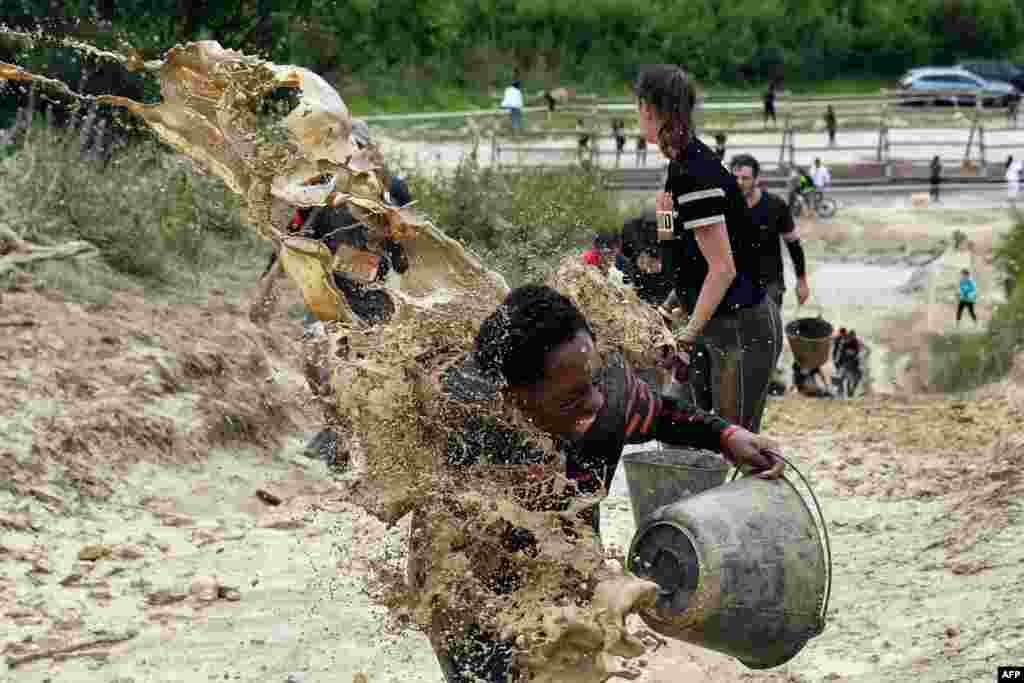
(825, 207)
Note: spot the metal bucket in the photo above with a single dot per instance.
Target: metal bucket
(811, 341)
(742, 569)
(663, 477)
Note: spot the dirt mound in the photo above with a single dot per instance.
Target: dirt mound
(90, 391)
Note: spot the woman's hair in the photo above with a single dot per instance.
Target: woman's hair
(531, 321)
(670, 90)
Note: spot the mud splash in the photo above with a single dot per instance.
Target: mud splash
(498, 543)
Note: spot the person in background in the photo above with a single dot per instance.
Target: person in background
(769, 104)
(513, 101)
(619, 133)
(821, 176)
(704, 220)
(811, 382)
(334, 227)
(602, 251)
(773, 220)
(968, 296)
(851, 353)
(720, 140)
(549, 99)
(643, 259)
(837, 345)
(830, 125)
(641, 150)
(1013, 177)
(800, 182)
(583, 140)
(935, 177)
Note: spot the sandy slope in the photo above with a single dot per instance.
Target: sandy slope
(145, 430)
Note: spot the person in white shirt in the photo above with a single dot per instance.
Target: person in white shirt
(513, 101)
(1013, 173)
(821, 176)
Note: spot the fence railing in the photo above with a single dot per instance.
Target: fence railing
(883, 158)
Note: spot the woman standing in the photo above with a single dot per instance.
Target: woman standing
(704, 217)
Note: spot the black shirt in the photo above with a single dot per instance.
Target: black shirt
(704, 192)
(772, 220)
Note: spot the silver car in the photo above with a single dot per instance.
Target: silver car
(953, 85)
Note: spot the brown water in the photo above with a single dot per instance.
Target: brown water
(557, 600)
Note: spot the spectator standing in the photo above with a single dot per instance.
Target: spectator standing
(549, 99)
(968, 296)
(1013, 173)
(641, 150)
(619, 133)
(583, 141)
(769, 104)
(513, 101)
(935, 177)
(830, 125)
(821, 176)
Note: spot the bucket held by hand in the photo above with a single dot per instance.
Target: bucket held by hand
(742, 569)
(662, 477)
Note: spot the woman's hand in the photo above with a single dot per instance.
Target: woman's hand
(677, 361)
(757, 452)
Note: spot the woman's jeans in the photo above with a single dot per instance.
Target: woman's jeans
(736, 355)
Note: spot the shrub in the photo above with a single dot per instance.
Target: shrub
(148, 212)
(521, 221)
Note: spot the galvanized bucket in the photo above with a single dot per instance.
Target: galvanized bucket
(744, 568)
(663, 477)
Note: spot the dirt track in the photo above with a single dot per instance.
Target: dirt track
(138, 435)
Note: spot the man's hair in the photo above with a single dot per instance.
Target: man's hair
(747, 160)
(530, 322)
(965, 272)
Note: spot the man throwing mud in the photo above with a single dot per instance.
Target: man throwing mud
(773, 219)
(537, 355)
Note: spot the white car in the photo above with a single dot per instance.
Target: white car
(954, 85)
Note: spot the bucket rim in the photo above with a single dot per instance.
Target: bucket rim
(637, 458)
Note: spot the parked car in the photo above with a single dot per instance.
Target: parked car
(1006, 72)
(961, 84)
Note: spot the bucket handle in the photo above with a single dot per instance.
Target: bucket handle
(824, 531)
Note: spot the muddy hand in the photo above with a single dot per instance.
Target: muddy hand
(678, 362)
(756, 452)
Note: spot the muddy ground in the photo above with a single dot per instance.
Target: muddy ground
(135, 544)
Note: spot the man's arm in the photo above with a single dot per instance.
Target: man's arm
(652, 416)
(678, 423)
(791, 236)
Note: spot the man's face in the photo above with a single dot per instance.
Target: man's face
(570, 396)
(649, 263)
(746, 179)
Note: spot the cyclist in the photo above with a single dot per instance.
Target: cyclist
(801, 183)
